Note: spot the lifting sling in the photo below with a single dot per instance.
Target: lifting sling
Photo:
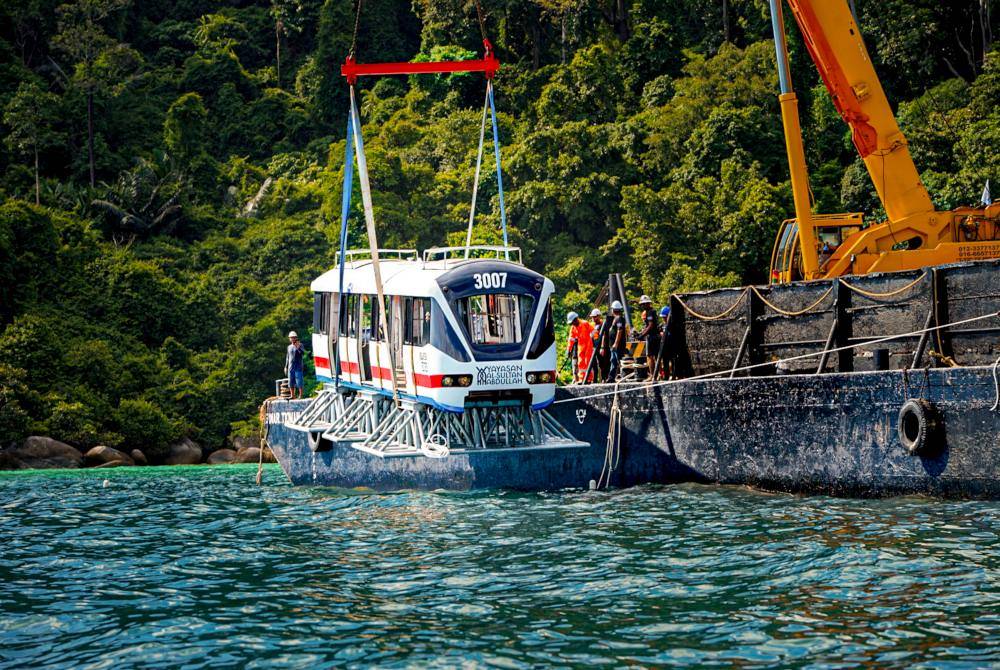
(355, 150)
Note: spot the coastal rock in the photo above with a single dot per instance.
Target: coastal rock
(9, 462)
(44, 452)
(184, 452)
(102, 455)
(252, 455)
(221, 456)
(139, 458)
(248, 455)
(241, 442)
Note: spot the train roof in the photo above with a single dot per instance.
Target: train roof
(407, 274)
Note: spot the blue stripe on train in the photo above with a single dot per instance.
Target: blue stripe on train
(419, 398)
(422, 398)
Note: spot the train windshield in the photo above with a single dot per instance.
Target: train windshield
(495, 318)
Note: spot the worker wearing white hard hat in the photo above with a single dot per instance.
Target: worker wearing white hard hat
(595, 312)
(580, 345)
(617, 338)
(294, 365)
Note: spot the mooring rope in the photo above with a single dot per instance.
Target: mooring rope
(612, 447)
(264, 411)
(812, 354)
(787, 313)
(872, 294)
(996, 385)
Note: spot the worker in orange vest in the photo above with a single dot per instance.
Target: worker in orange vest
(581, 337)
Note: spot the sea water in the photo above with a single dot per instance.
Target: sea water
(198, 567)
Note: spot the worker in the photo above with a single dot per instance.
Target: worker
(650, 333)
(617, 339)
(580, 339)
(600, 336)
(666, 359)
(293, 364)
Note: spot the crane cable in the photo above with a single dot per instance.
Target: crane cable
(482, 23)
(357, 22)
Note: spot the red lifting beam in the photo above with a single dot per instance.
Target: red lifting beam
(488, 64)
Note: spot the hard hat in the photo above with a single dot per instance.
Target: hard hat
(665, 311)
(571, 317)
(645, 300)
(616, 306)
(292, 333)
(595, 312)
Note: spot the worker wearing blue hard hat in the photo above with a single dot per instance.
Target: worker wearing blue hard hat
(665, 357)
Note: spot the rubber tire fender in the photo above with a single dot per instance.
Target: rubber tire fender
(920, 427)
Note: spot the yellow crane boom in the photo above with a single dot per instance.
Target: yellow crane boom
(914, 233)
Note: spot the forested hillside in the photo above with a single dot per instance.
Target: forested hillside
(187, 158)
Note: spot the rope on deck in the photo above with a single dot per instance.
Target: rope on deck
(872, 294)
(787, 313)
(703, 317)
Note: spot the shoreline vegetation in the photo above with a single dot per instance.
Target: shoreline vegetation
(171, 173)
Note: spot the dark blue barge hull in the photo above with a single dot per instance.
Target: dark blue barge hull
(832, 433)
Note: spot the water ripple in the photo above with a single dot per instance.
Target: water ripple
(196, 567)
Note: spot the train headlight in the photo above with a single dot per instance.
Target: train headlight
(465, 380)
(546, 377)
(447, 381)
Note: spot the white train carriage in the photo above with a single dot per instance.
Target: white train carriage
(461, 331)
(469, 359)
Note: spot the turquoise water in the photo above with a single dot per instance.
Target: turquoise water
(197, 567)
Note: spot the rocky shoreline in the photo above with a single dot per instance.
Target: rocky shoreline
(39, 452)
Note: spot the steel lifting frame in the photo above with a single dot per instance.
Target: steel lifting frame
(488, 65)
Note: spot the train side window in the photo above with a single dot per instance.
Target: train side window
(347, 316)
(418, 323)
(332, 315)
(321, 311)
(368, 316)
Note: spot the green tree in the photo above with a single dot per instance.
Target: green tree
(185, 132)
(286, 15)
(100, 63)
(31, 115)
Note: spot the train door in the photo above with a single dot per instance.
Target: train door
(396, 339)
(365, 336)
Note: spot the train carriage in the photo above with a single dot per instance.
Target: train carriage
(461, 331)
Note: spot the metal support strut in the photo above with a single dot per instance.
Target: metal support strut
(371, 422)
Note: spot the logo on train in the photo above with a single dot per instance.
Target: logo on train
(497, 375)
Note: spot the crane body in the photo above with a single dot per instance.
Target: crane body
(914, 234)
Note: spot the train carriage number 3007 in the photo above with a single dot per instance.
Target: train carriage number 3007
(490, 279)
